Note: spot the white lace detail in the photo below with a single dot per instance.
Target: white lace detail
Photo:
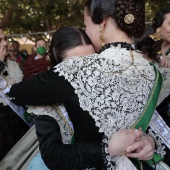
(123, 163)
(52, 112)
(159, 143)
(14, 71)
(159, 126)
(14, 75)
(114, 100)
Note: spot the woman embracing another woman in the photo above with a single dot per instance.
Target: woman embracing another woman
(107, 95)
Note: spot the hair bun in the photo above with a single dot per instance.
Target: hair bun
(130, 16)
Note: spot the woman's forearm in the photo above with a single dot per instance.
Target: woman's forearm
(57, 155)
(42, 89)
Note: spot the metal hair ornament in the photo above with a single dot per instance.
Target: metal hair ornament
(156, 36)
(129, 19)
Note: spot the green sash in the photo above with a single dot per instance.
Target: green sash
(143, 120)
(145, 117)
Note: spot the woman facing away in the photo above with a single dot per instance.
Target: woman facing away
(103, 94)
(155, 44)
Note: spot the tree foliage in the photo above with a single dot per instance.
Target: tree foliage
(152, 7)
(28, 16)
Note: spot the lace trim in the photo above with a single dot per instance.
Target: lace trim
(106, 157)
(14, 75)
(14, 71)
(52, 112)
(159, 144)
(160, 128)
(121, 44)
(120, 97)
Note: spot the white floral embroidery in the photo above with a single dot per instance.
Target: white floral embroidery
(159, 143)
(114, 100)
(160, 128)
(14, 71)
(14, 75)
(100, 88)
(52, 112)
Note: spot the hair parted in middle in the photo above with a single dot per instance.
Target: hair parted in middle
(118, 10)
(64, 39)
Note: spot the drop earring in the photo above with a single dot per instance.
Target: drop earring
(101, 36)
(156, 36)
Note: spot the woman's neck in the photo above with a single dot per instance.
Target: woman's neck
(119, 37)
(114, 34)
(165, 46)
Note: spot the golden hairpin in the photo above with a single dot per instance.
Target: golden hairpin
(156, 36)
(129, 19)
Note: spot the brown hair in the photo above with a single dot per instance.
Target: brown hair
(137, 9)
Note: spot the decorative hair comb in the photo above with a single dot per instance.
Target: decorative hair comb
(129, 19)
(156, 36)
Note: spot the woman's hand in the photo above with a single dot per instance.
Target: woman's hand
(121, 140)
(143, 149)
(165, 60)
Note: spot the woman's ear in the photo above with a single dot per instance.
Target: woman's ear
(158, 29)
(103, 24)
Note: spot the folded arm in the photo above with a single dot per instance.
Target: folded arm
(57, 155)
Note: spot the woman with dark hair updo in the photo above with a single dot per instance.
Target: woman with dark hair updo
(155, 44)
(110, 96)
(161, 25)
(67, 38)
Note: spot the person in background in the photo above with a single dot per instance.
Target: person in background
(161, 25)
(33, 50)
(16, 45)
(12, 127)
(38, 62)
(13, 55)
(155, 44)
(24, 54)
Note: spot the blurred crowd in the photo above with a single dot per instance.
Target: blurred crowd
(20, 65)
